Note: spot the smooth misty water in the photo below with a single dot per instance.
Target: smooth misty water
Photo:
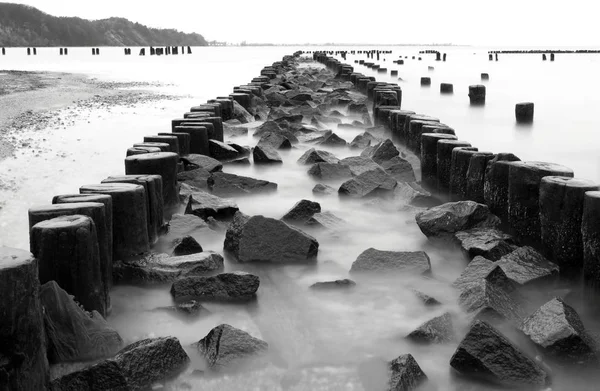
(316, 338)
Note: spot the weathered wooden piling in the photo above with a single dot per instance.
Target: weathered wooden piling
(141, 150)
(524, 112)
(425, 81)
(393, 72)
(173, 142)
(34, 51)
(164, 147)
(590, 231)
(24, 364)
(415, 130)
(243, 99)
(183, 140)
(130, 228)
(67, 250)
(551, 56)
(397, 124)
(476, 176)
(61, 51)
(459, 167)
(485, 77)
(163, 164)
(446, 88)
(524, 180)
(198, 138)
(477, 94)
(561, 211)
(103, 230)
(495, 187)
(429, 158)
(444, 161)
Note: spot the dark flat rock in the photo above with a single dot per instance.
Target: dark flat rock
(378, 261)
(222, 287)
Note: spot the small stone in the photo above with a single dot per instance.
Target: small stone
(186, 246)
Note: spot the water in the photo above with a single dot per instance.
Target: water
(316, 338)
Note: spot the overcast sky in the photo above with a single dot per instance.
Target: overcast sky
(471, 22)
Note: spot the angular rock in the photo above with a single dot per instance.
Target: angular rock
(426, 299)
(162, 269)
(489, 243)
(557, 329)
(187, 308)
(359, 164)
(275, 140)
(333, 140)
(325, 220)
(197, 178)
(222, 151)
(313, 156)
(329, 171)
(413, 194)
(486, 354)
(322, 190)
(337, 284)
(374, 183)
(226, 347)
(241, 114)
(265, 154)
(378, 261)
(262, 239)
(400, 374)
(363, 141)
(224, 184)
(193, 161)
(447, 219)
(478, 270)
(302, 211)
(399, 169)
(382, 152)
(106, 375)
(526, 266)
(73, 334)
(186, 246)
(183, 225)
(205, 205)
(436, 330)
(224, 286)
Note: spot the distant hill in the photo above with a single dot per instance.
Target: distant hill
(22, 25)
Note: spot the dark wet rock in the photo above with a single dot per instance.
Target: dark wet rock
(225, 184)
(413, 194)
(486, 354)
(197, 178)
(275, 140)
(426, 299)
(205, 205)
(357, 108)
(331, 285)
(262, 239)
(313, 156)
(241, 114)
(273, 127)
(193, 161)
(329, 171)
(478, 270)
(378, 261)
(301, 97)
(382, 152)
(526, 266)
(222, 151)
(182, 225)
(71, 333)
(242, 150)
(226, 347)
(490, 243)
(289, 118)
(190, 308)
(557, 329)
(265, 154)
(333, 140)
(363, 141)
(399, 169)
(224, 286)
(359, 164)
(447, 219)
(161, 269)
(186, 246)
(374, 183)
(322, 190)
(235, 131)
(241, 161)
(400, 374)
(106, 375)
(325, 220)
(437, 330)
(302, 211)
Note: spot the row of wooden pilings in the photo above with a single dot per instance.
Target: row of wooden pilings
(76, 239)
(167, 50)
(540, 203)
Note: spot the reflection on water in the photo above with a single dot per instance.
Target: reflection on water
(316, 338)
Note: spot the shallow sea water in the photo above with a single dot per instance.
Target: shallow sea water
(316, 338)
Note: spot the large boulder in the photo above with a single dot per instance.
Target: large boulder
(374, 183)
(558, 330)
(161, 269)
(400, 169)
(411, 193)
(325, 220)
(363, 141)
(73, 334)
(447, 219)
(477, 270)
(197, 177)
(323, 190)
(241, 114)
(106, 375)
(225, 286)
(193, 161)
(329, 171)
(205, 205)
(378, 261)
(226, 347)
(313, 156)
(301, 212)
(436, 330)
(222, 151)
(489, 243)
(382, 152)
(333, 140)
(224, 184)
(262, 239)
(265, 154)
(486, 354)
(400, 374)
(526, 266)
(275, 140)
(359, 164)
